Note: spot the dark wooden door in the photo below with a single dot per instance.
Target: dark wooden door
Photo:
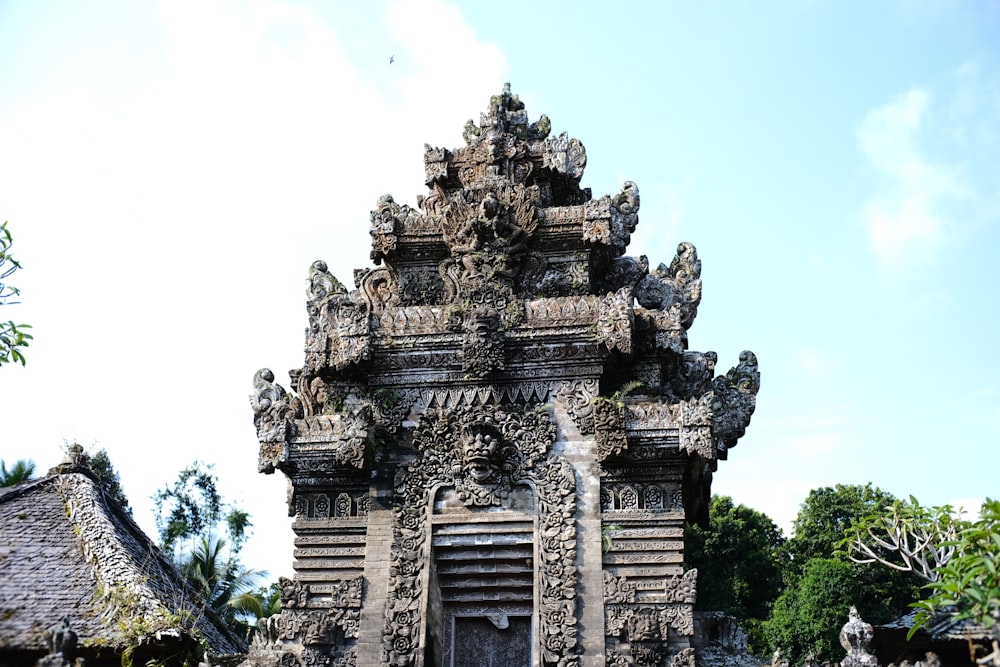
(480, 643)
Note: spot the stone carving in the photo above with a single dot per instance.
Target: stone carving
(62, 643)
(612, 220)
(616, 321)
(293, 593)
(734, 401)
(505, 115)
(274, 412)
(609, 427)
(565, 155)
(617, 590)
(677, 285)
(855, 637)
(416, 416)
(578, 398)
(483, 454)
(338, 331)
(388, 220)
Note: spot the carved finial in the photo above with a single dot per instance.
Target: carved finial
(266, 392)
(75, 460)
(505, 115)
(735, 400)
(321, 283)
(855, 637)
(677, 285)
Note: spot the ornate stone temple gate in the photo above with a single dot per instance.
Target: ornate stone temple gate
(497, 436)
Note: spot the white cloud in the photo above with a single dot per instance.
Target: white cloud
(187, 210)
(905, 222)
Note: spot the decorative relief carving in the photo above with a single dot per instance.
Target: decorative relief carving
(616, 321)
(310, 635)
(734, 401)
(617, 590)
(641, 497)
(578, 398)
(389, 219)
(505, 115)
(339, 331)
(294, 594)
(379, 287)
(344, 505)
(274, 415)
(677, 285)
(610, 221)
(609, 427)
(565, 155)
(454, 451)
(340, 438)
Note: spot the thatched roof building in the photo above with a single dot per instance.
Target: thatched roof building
(81, 580)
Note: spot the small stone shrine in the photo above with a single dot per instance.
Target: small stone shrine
(497, 436)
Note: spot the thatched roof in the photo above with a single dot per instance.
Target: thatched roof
(69, 550)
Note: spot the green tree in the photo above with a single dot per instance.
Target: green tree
(823, 583)
(907, 537)
(13, 337)
(22, 471)
(192, 507)
(107, 477)
(741, 558)
(191, 515)
(827, 514)
(968, 584)
(229, 589)
(958, 558)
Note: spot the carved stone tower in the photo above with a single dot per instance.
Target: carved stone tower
(496, 437)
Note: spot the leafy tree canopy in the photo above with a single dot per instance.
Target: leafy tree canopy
(740, 559)
(192, 507)
(827, 514)
(13, 337)
(959, 558)
(21, 471)
(107, 477)
(191, 517)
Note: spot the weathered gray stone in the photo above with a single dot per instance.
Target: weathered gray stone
(497, 436)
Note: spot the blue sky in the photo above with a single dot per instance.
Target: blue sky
(170, 171)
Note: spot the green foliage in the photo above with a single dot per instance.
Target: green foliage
(741, 559)
(808, 615)
(22, 471)
(617, 398)
(827, 514)
(192, 507)
(906, 536)
(968, 584)
(107, 477)
(13, 337)
(229, 589)
(822, 583)
(192, 513)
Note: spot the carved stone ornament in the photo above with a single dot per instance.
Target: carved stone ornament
(483, 453)
(609, 427)
(855, 637)
(677, 285)
(274, 411)
(506, 287)
(616, 321)
(734, 401)
(577, 396)
(339, 329)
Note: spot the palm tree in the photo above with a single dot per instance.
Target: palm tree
(21, 471)
(229, 589)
